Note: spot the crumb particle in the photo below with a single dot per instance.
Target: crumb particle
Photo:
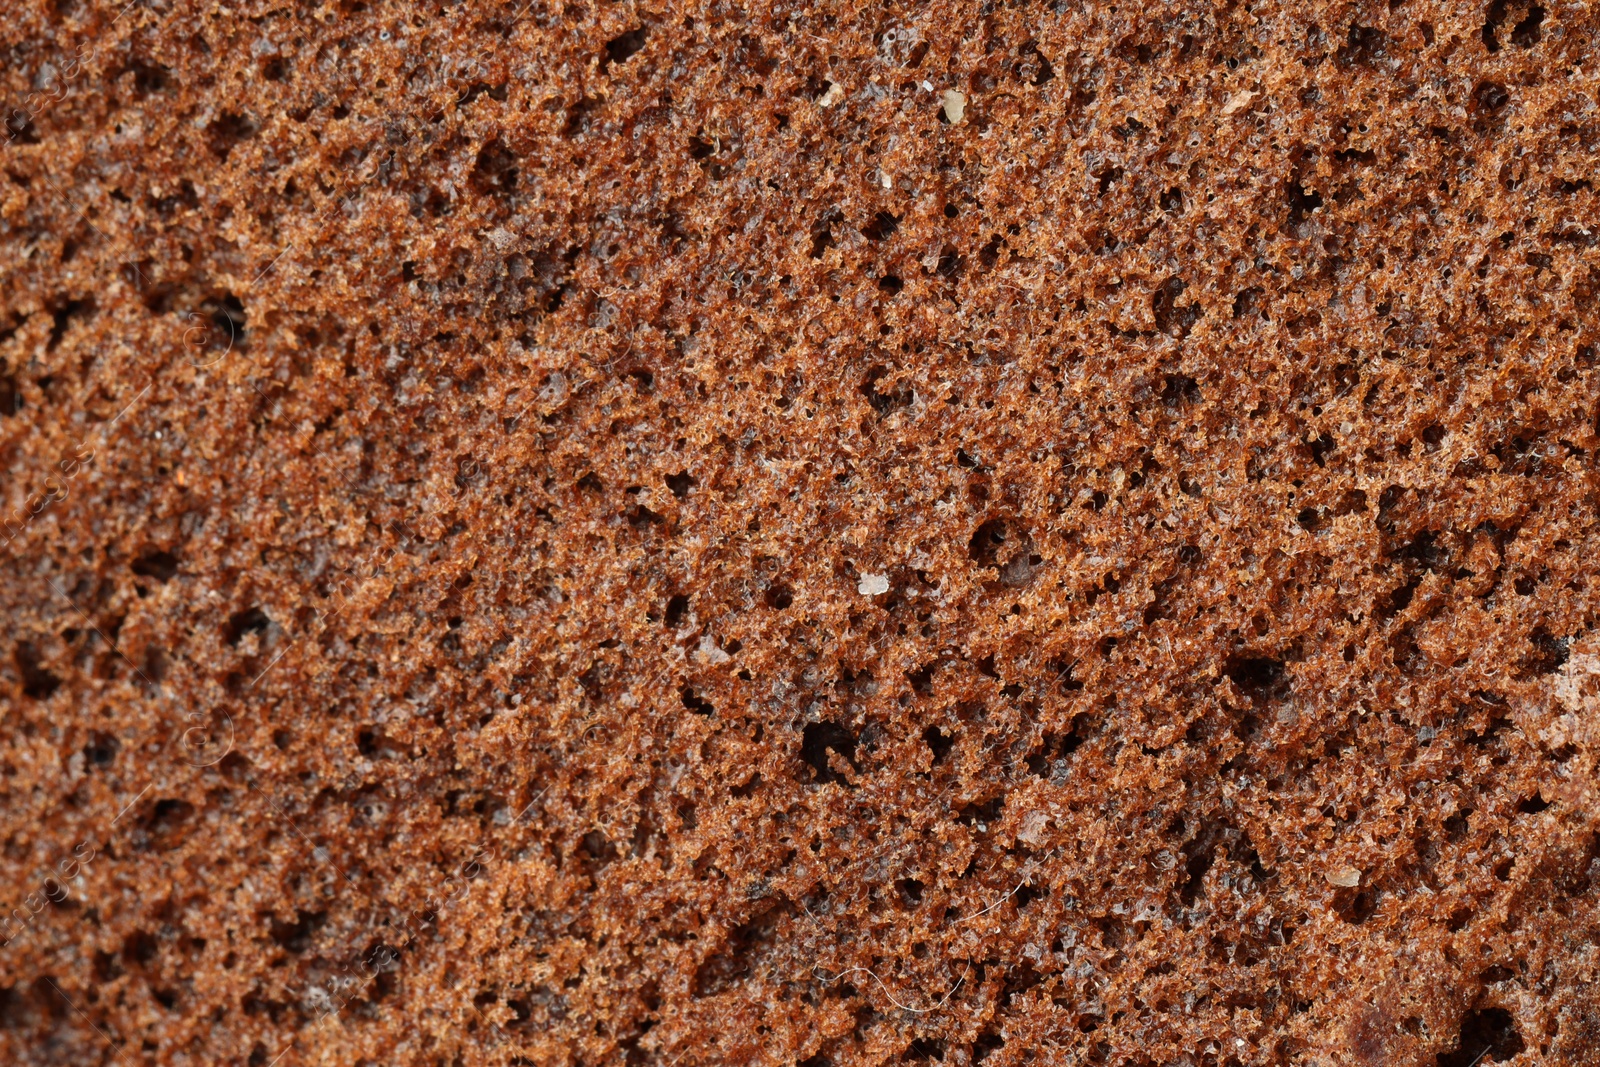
(1344, 877)
(954, 104)
(1239, 101)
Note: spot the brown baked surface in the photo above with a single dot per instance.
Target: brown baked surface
(621, 534)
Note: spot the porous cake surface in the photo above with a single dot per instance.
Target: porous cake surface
(828, 534)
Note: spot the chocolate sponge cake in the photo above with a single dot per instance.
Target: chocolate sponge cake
(589, 533)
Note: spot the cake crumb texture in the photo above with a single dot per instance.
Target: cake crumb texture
(813, 534)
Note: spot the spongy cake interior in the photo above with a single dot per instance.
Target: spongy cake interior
(813, 535)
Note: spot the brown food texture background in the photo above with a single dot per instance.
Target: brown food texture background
(812, 534)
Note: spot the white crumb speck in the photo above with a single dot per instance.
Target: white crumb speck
(711, 653)
(873, 584)
(1239, 101)
(1347, 877)
(834, 94)
(955, 105)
